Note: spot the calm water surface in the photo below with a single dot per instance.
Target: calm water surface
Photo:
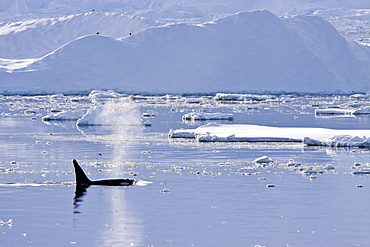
(190, 194)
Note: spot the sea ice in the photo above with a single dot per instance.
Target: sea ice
(241, 97)
(213, 132)
(263, 159)
(339, 111)
(104, 94)
(196, 116)
(64, 116)
(339, 141)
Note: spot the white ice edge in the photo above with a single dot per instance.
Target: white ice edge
(344, 112)
(256, 133)
(201, 116)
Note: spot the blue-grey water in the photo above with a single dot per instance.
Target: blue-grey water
(190, 194)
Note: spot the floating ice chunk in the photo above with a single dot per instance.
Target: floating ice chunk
(30, 112)
(181, 133)
(196, 116)
(312, 142)
(363, 111)
(356, 164)
(310, 170)
(333, 111)
(291, 163)
(64, 116)
(56, 96)
(147, 123)
(165, 190)
(104, 94)
(360, 186)
(359, 96)
(263, 159)
(262, 178)
(9, 222)
(148, 114)
(270, 185)
(329, 167)
(339, 141)
(241, 97)
(339, 111)
(194, 101)
(360, 172)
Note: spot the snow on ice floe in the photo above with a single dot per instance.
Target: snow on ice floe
(340, 141)
(333, 111)
(341, 112)
(242, 97)
(64, 116)
(292, 163)
(214, 132)
(263, 159)
(99, 94)
(197, 116)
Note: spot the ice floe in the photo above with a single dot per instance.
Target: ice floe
(342, 112)
(104, 94)
(263, 159)
(329, 167)
(64, 116)
(241, 97)
(213, 132)
(9, 222)
(292, 163)
(333, 111)
(339, 141)
(361, 172)
(197, 116)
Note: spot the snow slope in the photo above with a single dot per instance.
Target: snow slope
(37, 37)
(13, 9)
(248, 51)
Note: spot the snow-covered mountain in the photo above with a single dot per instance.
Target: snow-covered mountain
(182, 47)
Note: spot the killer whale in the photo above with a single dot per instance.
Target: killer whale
(83, 181)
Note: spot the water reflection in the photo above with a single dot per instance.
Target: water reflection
(77, 200)
(118, 225)
(125, 227)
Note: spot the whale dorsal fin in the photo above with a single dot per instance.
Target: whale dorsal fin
(81, 178)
